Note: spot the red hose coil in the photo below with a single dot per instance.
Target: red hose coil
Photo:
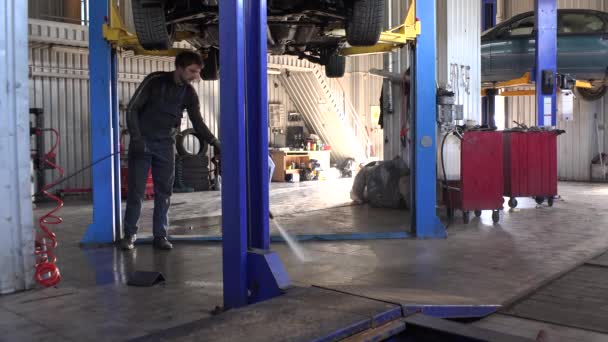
(47, 273)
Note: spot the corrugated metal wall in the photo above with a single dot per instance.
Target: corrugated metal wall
(357, 83)
(396, 62)
(579, 145)
(459, 52)
(278, 94)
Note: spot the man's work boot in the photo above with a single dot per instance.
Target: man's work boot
(128, 242)
(162, 243)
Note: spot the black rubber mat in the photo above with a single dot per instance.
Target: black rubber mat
(578, 299)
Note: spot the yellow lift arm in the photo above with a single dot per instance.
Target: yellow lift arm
(117, 34)
(523, 81)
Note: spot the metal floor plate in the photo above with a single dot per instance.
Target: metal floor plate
(302, 314)
(578, 299)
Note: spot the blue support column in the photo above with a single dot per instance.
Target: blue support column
(234, 163)
(103, 228)
(266, 277)
(257, 122)
(488, 14)
(546, 60)
(488, 102)
(425, 222)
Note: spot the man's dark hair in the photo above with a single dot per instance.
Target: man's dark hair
(187, 58)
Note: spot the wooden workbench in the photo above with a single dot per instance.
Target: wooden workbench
(283, 159)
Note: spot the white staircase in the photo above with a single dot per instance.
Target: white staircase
(327, 111)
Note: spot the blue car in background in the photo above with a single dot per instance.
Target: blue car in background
(508, 50)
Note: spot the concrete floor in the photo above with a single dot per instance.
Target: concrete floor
(478, 263)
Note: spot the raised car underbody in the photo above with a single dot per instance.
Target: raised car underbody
(304, 28)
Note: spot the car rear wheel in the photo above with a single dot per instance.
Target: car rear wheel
(210, 71)
(364, 23)
(151, 26)
(591, 94)
(335, 66)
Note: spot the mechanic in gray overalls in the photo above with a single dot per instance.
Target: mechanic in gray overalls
(153, 119)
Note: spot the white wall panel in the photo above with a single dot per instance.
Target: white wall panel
(459, 52)
(16, 221)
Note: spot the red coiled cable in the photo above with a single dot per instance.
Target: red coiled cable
(47, 273)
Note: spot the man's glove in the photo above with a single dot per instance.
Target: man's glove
(137, 148)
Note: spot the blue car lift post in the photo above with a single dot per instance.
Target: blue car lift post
(425, 223)
(251, 271)
(546, 62)
(105, 156)
(488, 102)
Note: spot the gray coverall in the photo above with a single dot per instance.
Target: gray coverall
(154, 114)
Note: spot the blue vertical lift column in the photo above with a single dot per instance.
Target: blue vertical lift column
(488, 102)
(104, 131)
(251, 271)
(546, 61)
(425, 222)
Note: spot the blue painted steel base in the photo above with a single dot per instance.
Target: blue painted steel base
(425, 223)
(452, 311)
(302, 237)
(266, 276)
(365, 324)
(399, 313)
(104, 119)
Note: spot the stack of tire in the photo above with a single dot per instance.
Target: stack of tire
(191, 168)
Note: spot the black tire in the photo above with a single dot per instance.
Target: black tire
(539, 200)
(335, 66)
(198, 185)
(513, 203)
(466, 217)
(591, 94)
(195, 162)
(151, 26)
(550, 201)
(181, 140)
(495, 216)
(195, 176)
(477, 213)
(364, 23)
(195, 168)
(211, 69)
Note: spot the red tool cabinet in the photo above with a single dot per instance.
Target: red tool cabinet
(530, 165)
(481, 176)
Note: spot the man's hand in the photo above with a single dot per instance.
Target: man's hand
(137, 148)
(216, 150)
